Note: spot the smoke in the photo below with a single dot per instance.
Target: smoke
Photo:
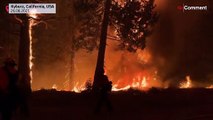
(181, 43)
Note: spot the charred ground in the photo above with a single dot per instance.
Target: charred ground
(155, 104)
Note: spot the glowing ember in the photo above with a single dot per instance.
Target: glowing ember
(187, 83)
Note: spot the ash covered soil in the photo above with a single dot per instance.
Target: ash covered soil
(168, 104)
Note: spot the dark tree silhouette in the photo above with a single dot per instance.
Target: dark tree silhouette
(99, 71)
(133, 21)
(24, 48)
(24, 52)
(88, 28)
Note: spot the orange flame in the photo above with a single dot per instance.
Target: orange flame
(209, 87)
(78, 87)
(31, 24)
(187, 83)
(141, 81)
(55, 87)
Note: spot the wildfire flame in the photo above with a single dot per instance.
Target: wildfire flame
(32, 22)
(130, 75)
(139, 82)
(209, 87)
(187, 83)
(143, 55)
(115, 88)
(54, 87)
(78, 87)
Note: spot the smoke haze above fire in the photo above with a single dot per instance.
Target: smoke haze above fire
(182, 41)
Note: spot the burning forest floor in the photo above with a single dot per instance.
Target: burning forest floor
(155, 104)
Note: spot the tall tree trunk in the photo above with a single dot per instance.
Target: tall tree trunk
(99, 71)
(24, 52)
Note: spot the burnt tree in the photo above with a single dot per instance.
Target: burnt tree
(99, 71)
(24, 53)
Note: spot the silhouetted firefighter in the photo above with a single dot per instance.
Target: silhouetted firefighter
(8, 89)
(105, 89)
